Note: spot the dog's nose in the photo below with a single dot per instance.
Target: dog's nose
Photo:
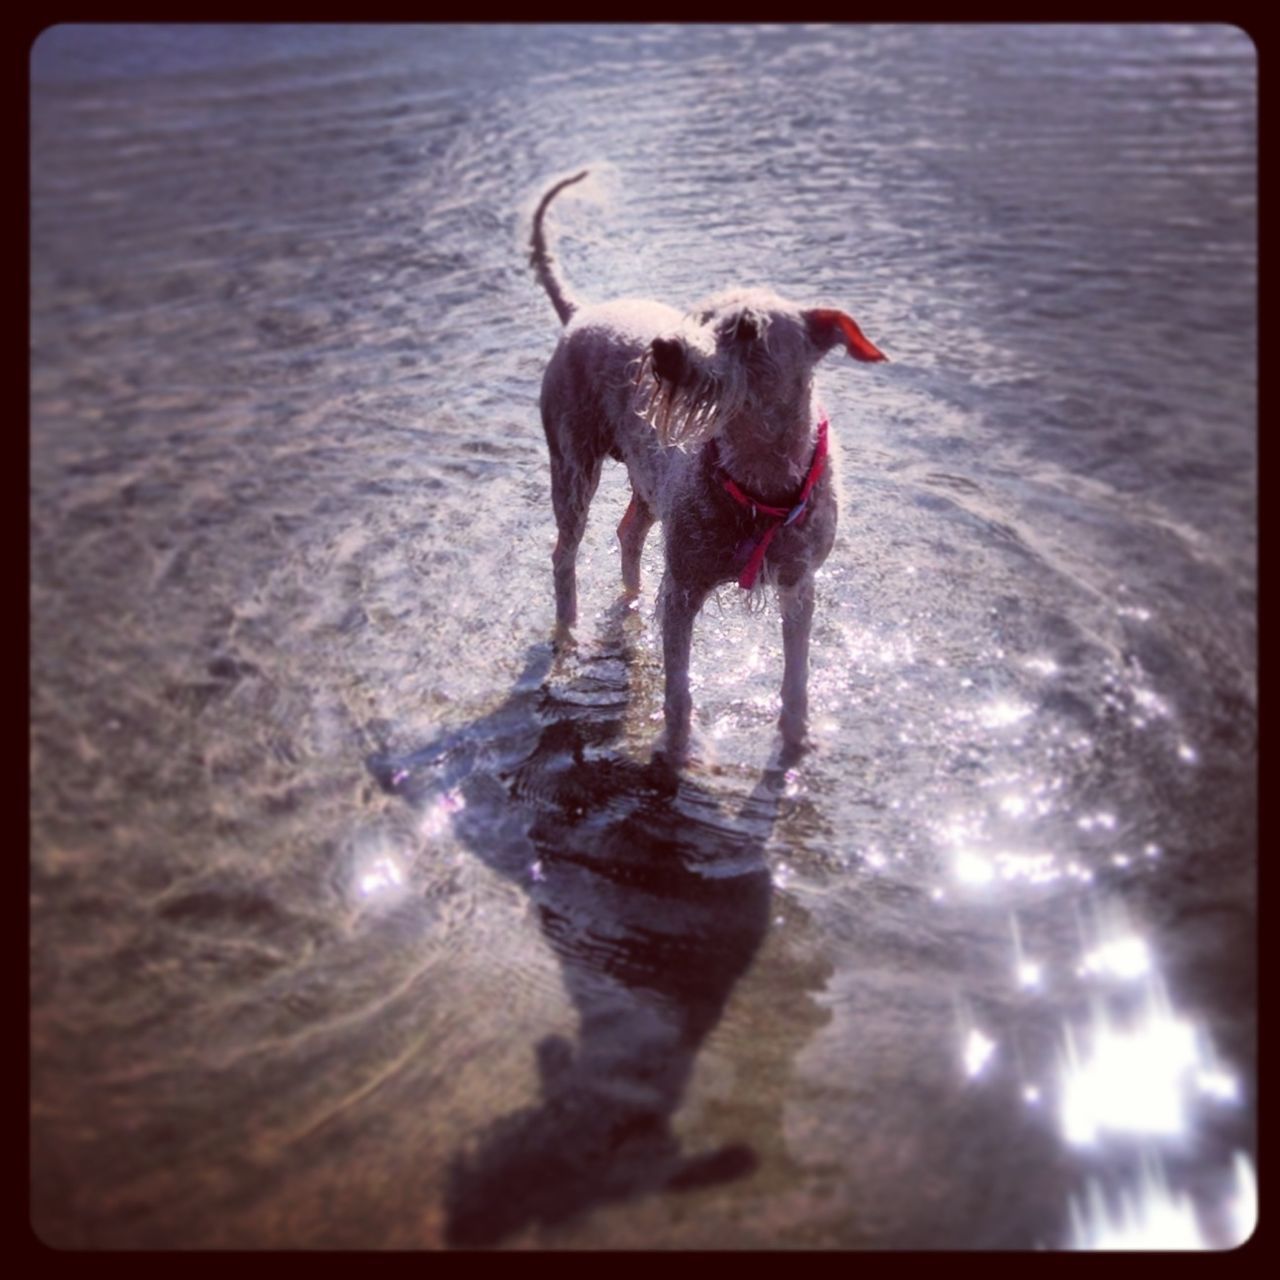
(668, 359)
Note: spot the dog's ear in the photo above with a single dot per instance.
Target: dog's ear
(827, 327)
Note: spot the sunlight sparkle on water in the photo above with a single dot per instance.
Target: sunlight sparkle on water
(973, 868)
(1242, 1210)
(1125, 958)
(1127, 1081)
(1090, 821)
(438, 817)
(1041, 666)
(1147, 1216)
(1219, 1085)
(1151, 701)
(1003, 712)
(1135, 611)
(1014, 806)
(1137, 1078)
(1029, 971)
(381, 873)
(894, 649)
(978, 1051)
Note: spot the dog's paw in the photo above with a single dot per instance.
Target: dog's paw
(794, 727)
(790, 752)
(689, 750)
(796, 741)
(665, 761)
(563, 640)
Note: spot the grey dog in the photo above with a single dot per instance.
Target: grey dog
(712, 413)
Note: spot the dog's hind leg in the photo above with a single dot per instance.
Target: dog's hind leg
(573, 485)
(632, 530)
(572, 488)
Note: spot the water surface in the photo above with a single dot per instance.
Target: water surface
(361, 919)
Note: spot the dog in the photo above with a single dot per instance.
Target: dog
(712, 413)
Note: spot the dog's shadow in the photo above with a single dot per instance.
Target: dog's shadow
(653, 898)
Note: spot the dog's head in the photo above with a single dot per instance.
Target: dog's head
(746, 350)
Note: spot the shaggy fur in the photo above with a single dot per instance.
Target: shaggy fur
(640, 382)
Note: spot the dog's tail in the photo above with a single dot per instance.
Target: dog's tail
(542, 262)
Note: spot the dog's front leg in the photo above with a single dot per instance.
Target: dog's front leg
(796, 602)
(680, 605)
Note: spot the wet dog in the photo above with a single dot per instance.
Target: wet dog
(712, 412)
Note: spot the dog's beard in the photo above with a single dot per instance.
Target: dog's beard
(681, 415)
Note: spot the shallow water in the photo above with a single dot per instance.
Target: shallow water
(361, 920)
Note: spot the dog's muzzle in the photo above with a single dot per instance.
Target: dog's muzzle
(675, 394)
(669, 361)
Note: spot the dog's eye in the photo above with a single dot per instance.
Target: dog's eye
(705, 317)
(746, 330)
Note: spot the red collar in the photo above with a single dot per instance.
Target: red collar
(781, 515)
